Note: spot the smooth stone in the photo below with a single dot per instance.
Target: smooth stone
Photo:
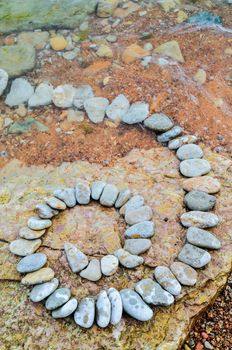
(83, 92)
(27, 233)
(202, 238)
(42, 95)
(144, 229)
(159, 122)
(23, 247)
(189, 151)
(97, 189)
(42, 291)
(58, 298)
(21, 90)
(170, 134)
(205, 183)
(138, 215)
(3, 81)
(82, 191)
(123, 197)
(185, 274)
(153, 293)
(37, 224)
(32, 263)
(167, 280)
(133, 203)
(55, 203)
(95, 108)
(198, 200)
(116, 306)
(76, 259)
(199, 219)
(137, 112)
(103, 309)
(65, 310)
(137, 246)
(194, 167)
(134, 305)
(46, 212)
(128, 260)
(67, 195)
(63, 96)
(40, 276)
(85, 313)
(93, 271)
(109, 265)
(194, 256)
(119, 106)
(109, 195)
(180, 141)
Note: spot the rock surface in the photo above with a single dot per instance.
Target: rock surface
(153, 293)
(134, 306)
(20, 92)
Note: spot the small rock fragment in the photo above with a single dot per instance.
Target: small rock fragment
(55, 203)
(202, 238)
(82, 191)
(46, 212)
(152, 293)
(170, 134)
(27, 233)
(200, 76)
(137, 112)
(194, 167)
(67, 195)
(144, 229)
(132, 204)
(58, 43)
(83, 93)
(63, 96)
(159, 122)
(128, 260)
(119, 106)
(189, 151)
(37, 224)
(137, 246)
(205, 183)
(31, 263)
(3, 81)
(199, 200)
(123, 197)
(95, 108)
(20, 92)
(138, 215)
(106, 8)
(199, 219)
(109, 195)
(65, 310)
(170, 49)
(182, 140)
(42, 96)
(97, 189)
(133, 53)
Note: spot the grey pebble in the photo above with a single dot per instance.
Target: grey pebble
(167, 280)
(119, 106)
(194, 256)
(170, 134)
(27, 233)
(23, 247)
(158, 122)
(55, 203)
(83, 93)
(199, 219)
(109, 195)
(128, 260)
(202, 238)
(85, 313)
(180, 141)
(185, 274)
(123, 197)
(95, 108)
(138, 215)
(189, 151)
(194, 167)
(137, 246)
(43, 290)
(76, 258)
(103, 309)
(134, 305)
(20, 92)
(134, 202)
(42, 95)
(92, 271)
(31, 263)
(82, 192)
(137, 112)
(116, 306)
(35, 223)
(65, 310)
(63, 96)
(45, 211)
(199, 200)
(109, 265)
(153, 293)
(58, 298)
(67, 195)
(144, 229)
(3, 80)
(96, 189)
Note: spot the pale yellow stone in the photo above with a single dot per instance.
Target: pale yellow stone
(43, 275)
(181, 16)
(104, 51)
(228, 51)
(203, 183)
(133, 52)
(168, 5)
(58, 43)
(5, 195)
(200, 76)
(170, 49)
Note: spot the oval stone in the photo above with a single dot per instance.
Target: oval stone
(198, 200)
(153, 293)
(137, 246)
(158, 122)
(109, 265)
(134, 305)
(37, 224)
(133, 203)
(23, 247)
(58, 298)
(194, 256)
(27, 233)
(128, 260)
(167, 280)
(205, 183)
(93, 271)
(202, 238)
(170, 134)
(185, 274)
(32, 263)
(103, 309)
(67, 195)
(189, 151)
(144, 229)
(194, 167)
(123, 197)
(76, 259)
(55, 203)
(180, 141)
(116, 306)
(97, 189)
(199, 219)
(40, 276)
(65, 310)
(109, 195)
(45, 211)
(119, 106)
(95, 108)
(137, 112)
(82, 193)
(138, 215)
(85, 313)
(42, 291)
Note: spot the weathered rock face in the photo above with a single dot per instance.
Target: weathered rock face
(97, 231)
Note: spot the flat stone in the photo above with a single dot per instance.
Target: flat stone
(95, 108)
(133, 52)
(194, 167)
(153, 293)
(194, 256)
(3, 80)
(93, 271)
(83, 93)
(37, 39)
(144, 229)
(106, 8)
(133, 203)
(37, 224)
(67, 195)
(116, 306)
(159, 122)
(45, 211)
(97, 189)
(189, 151)
(42, 291)
(104, 51)
(27, 233)
(138, 215)
(109, 195)
(199, 200)
(137, 112)
(202, 238)
(170, 134)
(65, 310)
(20, 92)
(76, 259)
(32, 263)
(58, 298)
(205, 183)
(128, 260)
(109, 265)
(63, 96)
(55, 203)
(23, 247)
(119, 106)
(167, 280)
(26, 125)
(42, 96)
(137, 246)
(103, 309)
(185, 274)
(123, 197)
(170, 49)
(180, 141)
(85, 313)
(40, 276)
(75, 116)
(134, 305)
(82, 191)
(199, 219)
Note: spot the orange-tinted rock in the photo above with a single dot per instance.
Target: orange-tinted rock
(133, 52)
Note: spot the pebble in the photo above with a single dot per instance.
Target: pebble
(137, 246)
(20, 92)
(65, 310)
(23, 247)
(75, 116)
(134, 305)
(104, 51)
(128, 260)
(58, 43)
(206, 184)
(133, 203)
(170, 134)
(199, 219)
(109, 265)
(148, 47)
(145, 229)
(194, 256)
(58, 298)
(37, 224)
(40, 276)
(70, 55)
(3, 80)
(170, 49)
(63, 96)
(32, 263)
(159, 122)
(103, 309)
(42, 95)
(194, 167)
(153, 293)
(182, 140)
(199, 200)
(109, 195)
(85, 313)
(208, 346)
(116, 306)
(118, 108)
(45, 211)
(185, 274)
(55, 203)
(67, 195)
(123, 197)
(138, 215)
(93, 271)
(111, 38)
(42, 291)
(27, 233)
(137, 112)
(82, 191)
(83, 93)
(202, 238)
(105, 8)
(167, 280)
(76, 259)
(189, 151)
(95, 108)
(96, 189)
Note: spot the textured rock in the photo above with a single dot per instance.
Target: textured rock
(76, 259)
(194, 167)
(82, 191)
(137, 246)
(158, 122)
(134, 305)
(199, 200)
(137, 112)
(36, 39)
(27, 233)
(26, 125)
(167, 280)
(103, 309)
(109, 195)
(185, 274)
(119, 106)
(128, 260)
(42, 291)
(46, 212)
(116, 306)
(104, 51)
(206, 184)
(3, 80)
(123, 197)
(96, 189)
(20, 92)
(65, 310)
(182, 140)
(106, 8)
(43, 275)
(84, 316)
(42, 95)
(138, 215)
(93, 271)
(199, 219)
(83, 92)
(202, 238)
(189, 151)
(32, 263)
(63, 96)
(67, 195)
(109, 265)
(135, 202)
(95, 108)
(144, 229)
(194, 256)
(55, 203)
(58, 298)
(23, 247)
(37, 224)
(170, 134)
(133, 52)
(170, 49)
(152, 293)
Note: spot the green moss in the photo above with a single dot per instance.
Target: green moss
(86, 128)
